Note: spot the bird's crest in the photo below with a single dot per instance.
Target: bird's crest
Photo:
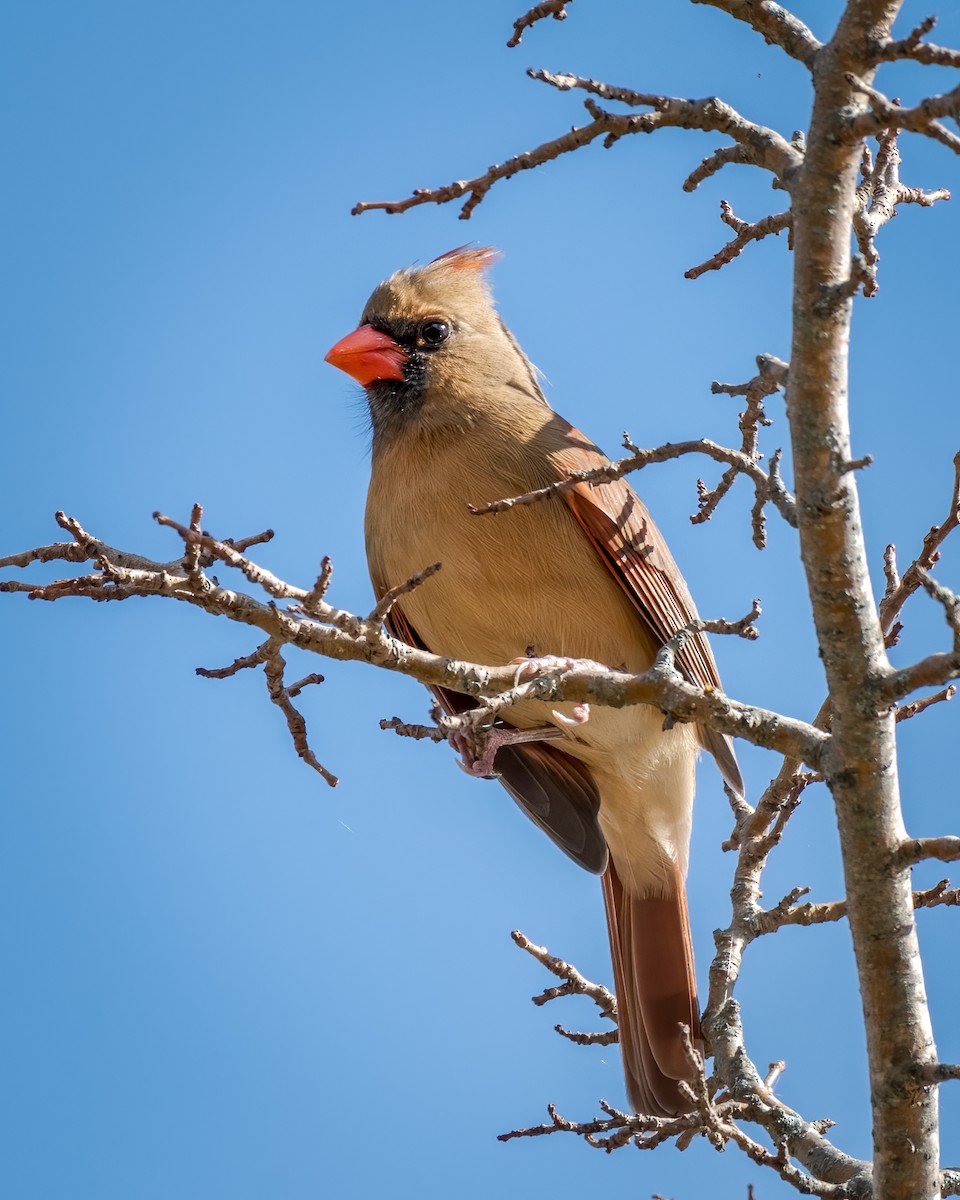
(467, 258)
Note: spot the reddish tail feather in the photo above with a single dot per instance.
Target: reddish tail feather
(656, 993)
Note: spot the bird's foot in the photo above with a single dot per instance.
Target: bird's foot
(578, 715)
(478, 748)
(530, 666)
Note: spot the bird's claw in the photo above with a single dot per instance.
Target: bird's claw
(478, 748)
(530, 667)
(579, 715)
(477, 752)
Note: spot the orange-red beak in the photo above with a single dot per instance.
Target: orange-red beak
(368, 355)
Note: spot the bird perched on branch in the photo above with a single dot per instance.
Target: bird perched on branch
(459, 420)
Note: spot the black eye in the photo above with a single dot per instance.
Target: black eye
(434, 332)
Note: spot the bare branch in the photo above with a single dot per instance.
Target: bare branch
(256, 539)
(319, 589)
(714, 163)
(900, 589)
(879, 193)
(774, 1073)
(419, 733)
(935, 669)
(83, 548)
(637, 460)
(768, 487)
(574, 984)
(244, 663)
(911, 47)
(715, 1121)
(294, 689)
(390, 597)
(549, 8)
(750, 1097)
(906, 711)
(476, 189)
(833, 296)
(772, 374)
(949, 602)
(746, 231)
(763, 147)
(771, 377)
(940, 894)
(341, 635)
(935, 1073)
(273, 667)
(788, 912)
(620, 1129)
(945, 849)
(268, 654)
(192, 558)
(228, 554)
(757, 832)
(744, 628)
(886, 114)
(606, 1038)
(776, 26)
(862, 773)
(932, 671)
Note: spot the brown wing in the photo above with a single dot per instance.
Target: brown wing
(616, 522)
(555, 791)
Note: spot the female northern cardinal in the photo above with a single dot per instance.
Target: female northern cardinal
(459, 419)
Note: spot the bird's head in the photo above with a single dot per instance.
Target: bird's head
(431, 348)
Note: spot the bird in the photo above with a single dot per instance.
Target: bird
(459, 420)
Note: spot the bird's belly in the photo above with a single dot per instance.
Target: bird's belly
(526, 578)
(529, 581)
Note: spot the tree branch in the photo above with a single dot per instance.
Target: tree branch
(763, 147)
(549, 8)
(860, 768)
(945, 849)
(776, 25)
(900, 588)
(574, 984)
(344, 636)
(886, 114)
(911, 47)
(878, 195)
(768, 486)
(746, 231)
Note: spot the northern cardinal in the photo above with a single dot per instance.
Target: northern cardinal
(459, 419)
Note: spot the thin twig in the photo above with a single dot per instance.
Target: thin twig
(912, 47)
(574, 984)
(549, 8)
(763, 147)
(901, 587)
(747, 232)
(906, 711)
(921, 118)
(768, 487)
(390, 597)
(879, 193)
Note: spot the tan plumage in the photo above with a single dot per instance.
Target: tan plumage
(459, 419)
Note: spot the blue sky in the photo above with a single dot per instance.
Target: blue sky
(223, 978)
